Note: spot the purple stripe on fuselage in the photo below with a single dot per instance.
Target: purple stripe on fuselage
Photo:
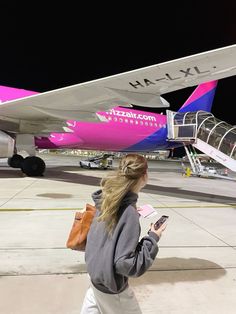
(154, 141)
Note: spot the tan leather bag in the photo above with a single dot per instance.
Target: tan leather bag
(80, 228)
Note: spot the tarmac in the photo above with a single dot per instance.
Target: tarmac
(195, 269)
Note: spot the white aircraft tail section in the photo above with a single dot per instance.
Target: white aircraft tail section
(217, 155)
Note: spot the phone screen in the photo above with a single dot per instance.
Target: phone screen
(160, 221)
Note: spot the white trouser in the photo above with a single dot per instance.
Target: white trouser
(97, 302)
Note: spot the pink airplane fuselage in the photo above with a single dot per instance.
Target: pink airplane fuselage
(125, 127)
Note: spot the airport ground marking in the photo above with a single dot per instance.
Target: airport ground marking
(158, 206)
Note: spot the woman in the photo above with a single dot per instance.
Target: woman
(113, 250)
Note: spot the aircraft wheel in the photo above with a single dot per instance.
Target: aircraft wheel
(33, 166)
(15, 161)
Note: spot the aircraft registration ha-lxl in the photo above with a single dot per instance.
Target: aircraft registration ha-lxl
(99, 114)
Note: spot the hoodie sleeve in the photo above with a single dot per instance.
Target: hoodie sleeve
(134, 257)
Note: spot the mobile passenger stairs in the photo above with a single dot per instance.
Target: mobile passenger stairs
(201, 130)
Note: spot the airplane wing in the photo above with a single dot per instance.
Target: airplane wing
(45, 112)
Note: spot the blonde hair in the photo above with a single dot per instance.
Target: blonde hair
(131, 169)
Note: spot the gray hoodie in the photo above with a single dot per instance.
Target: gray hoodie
(111, 259)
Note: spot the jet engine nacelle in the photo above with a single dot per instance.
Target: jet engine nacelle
(7, 145)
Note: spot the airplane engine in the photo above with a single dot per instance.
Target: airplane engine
(7, 145)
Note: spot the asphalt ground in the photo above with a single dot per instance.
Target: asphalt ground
(194, 272)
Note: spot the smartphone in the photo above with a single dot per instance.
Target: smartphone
(160, 221)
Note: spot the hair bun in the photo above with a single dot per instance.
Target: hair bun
(133, 166)
(129, 173)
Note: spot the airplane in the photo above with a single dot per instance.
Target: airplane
(102, 114)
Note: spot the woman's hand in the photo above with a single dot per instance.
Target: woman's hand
(159, 230)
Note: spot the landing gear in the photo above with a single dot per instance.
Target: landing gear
(15, 161)
(33, 166)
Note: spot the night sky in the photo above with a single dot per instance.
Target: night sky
(46, 45)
